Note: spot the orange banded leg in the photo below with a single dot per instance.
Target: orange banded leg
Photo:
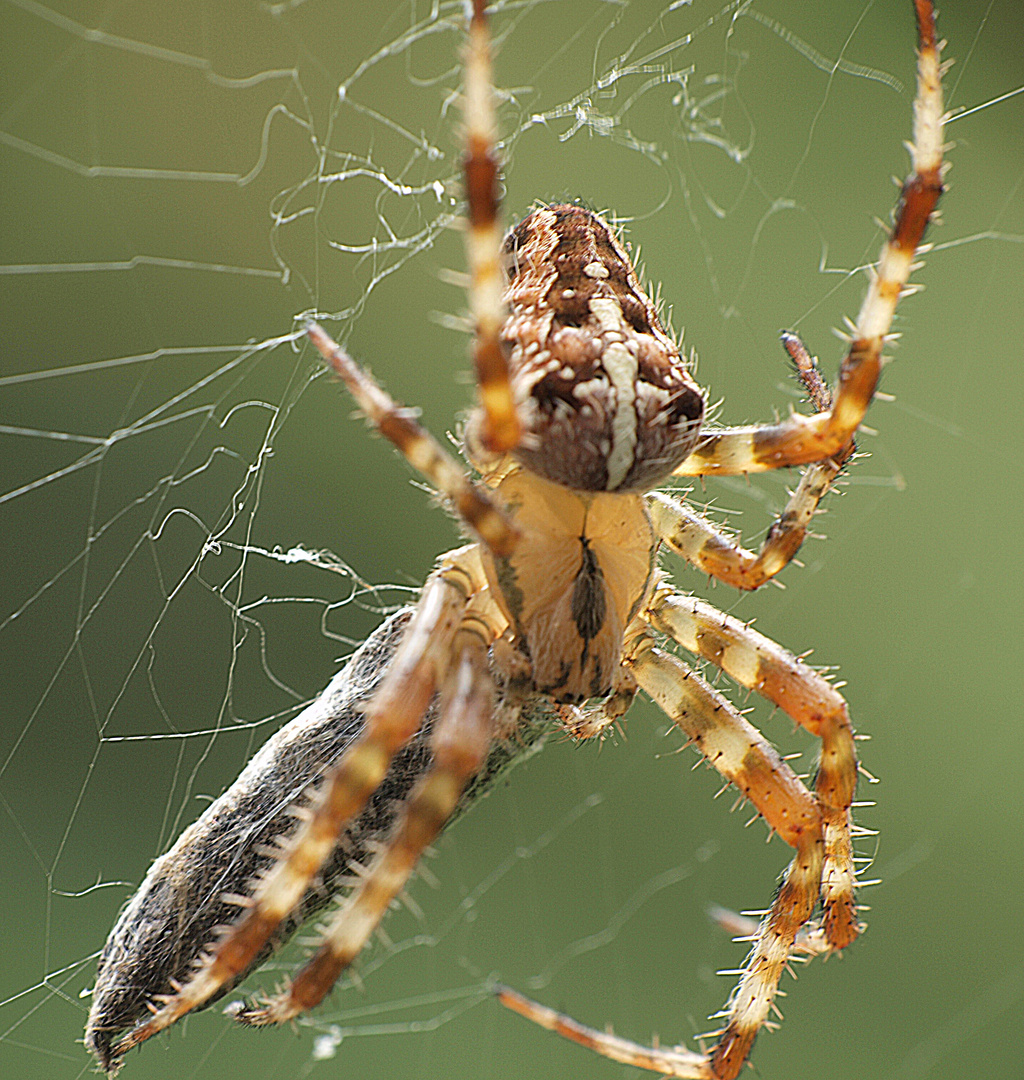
(475, 505)
(759, 664)
(799, 439)
(459, 742)
(701, 543)
(729, 742)
(669, 1061)
(392, 718)
(742, 755)
(500, 428)
(748, 1007)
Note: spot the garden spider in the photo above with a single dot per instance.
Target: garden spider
(557, 607)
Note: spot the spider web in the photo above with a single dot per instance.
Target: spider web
(195, 533)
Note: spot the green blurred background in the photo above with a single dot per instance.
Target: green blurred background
(162, 225)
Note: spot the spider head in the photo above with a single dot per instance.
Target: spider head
(605, 399)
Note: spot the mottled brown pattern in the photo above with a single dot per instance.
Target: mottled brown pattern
(559, 260)
(189, 891)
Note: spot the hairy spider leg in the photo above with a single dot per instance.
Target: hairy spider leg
(799, 439)
(668, 1060)
(501, 429)
(711, 549)
(747, 1009)
(808, 372)
(714, 551)
(744, 757)
(473, 502)
(729, 742)
(459, 742)
(758, 663)
(392, 718)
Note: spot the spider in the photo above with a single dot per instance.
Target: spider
(558, 606)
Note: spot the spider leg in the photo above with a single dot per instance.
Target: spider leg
(741, 754)
(748, 1006)
(500, 428)
(474, 503)
(729, 742)
(669, 1061)
(460, 741)
(591, 721)
(747, 1009)
(392, 718)
(703, 544)
(700, 542)
(801, 439)
(760, 664)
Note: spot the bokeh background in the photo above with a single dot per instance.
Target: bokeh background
(179, 183)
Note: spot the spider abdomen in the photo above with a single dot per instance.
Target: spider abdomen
(606, 401)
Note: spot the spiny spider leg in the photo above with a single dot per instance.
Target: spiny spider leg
(799, 439)
(760, 664)
(729, 742)
(703, 544)
(741, 754)
(668, 1060)
(392, 717)
(501, 429)
(475, 505)
(460, 740)
(824, 856)
(747, 1009)
(808, 372)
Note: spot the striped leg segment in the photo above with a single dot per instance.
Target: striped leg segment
(729, 742)
(759, 664)
(701, 543)
(499, 429)
(714, 551)
(392, 718)
(669, 1061)
(742, 755)
(745, 757)
(748, 1007)
(475, 505)
(798, 439)
(460, 741)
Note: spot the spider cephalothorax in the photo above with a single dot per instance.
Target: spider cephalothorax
(585, 403)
